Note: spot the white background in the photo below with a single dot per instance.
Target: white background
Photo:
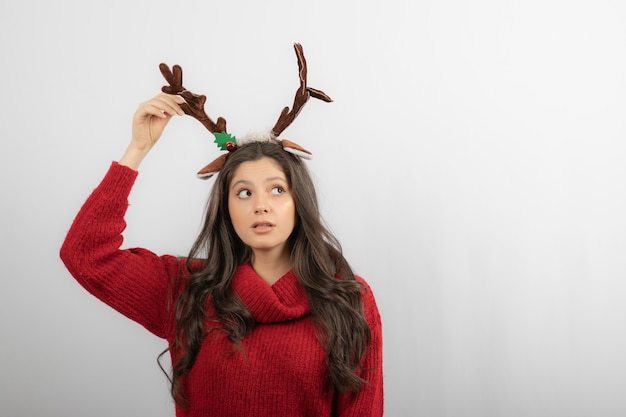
(472, 165)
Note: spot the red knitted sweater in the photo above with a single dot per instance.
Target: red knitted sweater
(282, 367)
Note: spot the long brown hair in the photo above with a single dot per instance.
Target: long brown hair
(332, 290)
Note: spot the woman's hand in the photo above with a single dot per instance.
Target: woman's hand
(149, 121)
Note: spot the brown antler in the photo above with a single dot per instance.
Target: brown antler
(302, 96)
(194, 105)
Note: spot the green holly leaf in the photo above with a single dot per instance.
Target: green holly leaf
(221, 138)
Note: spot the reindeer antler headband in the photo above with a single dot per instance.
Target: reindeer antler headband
(194, 106)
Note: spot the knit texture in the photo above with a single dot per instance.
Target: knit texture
(280, 370)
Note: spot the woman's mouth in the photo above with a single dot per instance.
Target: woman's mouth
(262, 226)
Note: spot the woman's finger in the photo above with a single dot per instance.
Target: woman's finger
(169, 103)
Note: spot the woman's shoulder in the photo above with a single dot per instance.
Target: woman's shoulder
(365, 284)
(193, 265)
(369, 300)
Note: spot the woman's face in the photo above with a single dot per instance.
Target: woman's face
(261, 206)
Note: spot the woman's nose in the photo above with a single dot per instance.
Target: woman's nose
(261, 206)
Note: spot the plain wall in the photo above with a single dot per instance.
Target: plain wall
(473, 165)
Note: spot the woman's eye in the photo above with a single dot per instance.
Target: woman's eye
(244, 194)
(278, 190)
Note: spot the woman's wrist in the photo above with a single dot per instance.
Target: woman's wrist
(132, 157)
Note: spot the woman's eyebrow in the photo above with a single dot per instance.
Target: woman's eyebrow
(244, 182)
(248, 182)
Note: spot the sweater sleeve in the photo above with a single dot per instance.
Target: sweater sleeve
(368, 402)
(135, 282)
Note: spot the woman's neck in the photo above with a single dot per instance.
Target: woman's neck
(271, 266)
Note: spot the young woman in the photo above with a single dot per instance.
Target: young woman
(265, 316)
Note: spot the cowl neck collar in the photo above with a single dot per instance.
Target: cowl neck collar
(285, 300)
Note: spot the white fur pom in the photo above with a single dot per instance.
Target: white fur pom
(256, 136)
